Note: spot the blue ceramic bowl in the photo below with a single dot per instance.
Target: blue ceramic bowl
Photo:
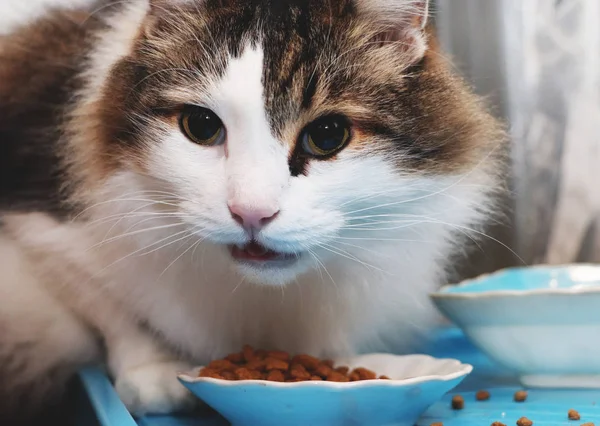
(542, 322)
(417, 381)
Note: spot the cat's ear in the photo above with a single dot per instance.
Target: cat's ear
(402, 22)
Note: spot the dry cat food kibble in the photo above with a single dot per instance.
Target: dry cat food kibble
(278, 366)
(520, 396)
(574, 415)
(524, 421)
(482, 395)
(588, 424)
(458, 402)
(437, 424)
(498, 424)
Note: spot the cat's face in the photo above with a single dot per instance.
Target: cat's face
(289, 133)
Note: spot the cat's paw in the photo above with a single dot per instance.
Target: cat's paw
(154, 389)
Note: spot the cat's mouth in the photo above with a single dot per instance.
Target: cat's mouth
(255, 252)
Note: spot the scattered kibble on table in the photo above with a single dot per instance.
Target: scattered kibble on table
(482, 395)
(524, 421)
(520, 396)
(574, 415)
(458, 402)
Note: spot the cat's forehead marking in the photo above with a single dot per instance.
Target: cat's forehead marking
(238, 98)
(239, 93)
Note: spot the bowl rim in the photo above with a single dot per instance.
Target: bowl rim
(442, 293)
(462, 370)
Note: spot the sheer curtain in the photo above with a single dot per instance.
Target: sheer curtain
(538, 61)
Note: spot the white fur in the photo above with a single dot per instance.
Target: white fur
(373, 246)
(152, 388)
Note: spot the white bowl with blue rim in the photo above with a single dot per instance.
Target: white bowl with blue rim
(417, 382)
(543, 322)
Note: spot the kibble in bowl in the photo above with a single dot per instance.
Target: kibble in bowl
(370, 390)
(278, 366)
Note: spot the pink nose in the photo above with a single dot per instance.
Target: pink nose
(252, 217)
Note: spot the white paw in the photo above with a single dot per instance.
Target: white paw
(154, 389)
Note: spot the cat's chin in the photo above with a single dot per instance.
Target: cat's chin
(276, 269)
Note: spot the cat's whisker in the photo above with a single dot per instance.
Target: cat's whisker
(377, 239)
(193, 246)
(239, 284)
(343, 253)
(134, 233)
(427, 219)
(135, 252)
(370, 194)
(374, 222)
(120, 200)
(132, 212)
(401, 218)
(156, 215)
(151, 192)
(376, 229)
(160, 247)
(312, 254)
(467, 230)
(401, 202)
(458, 181)
(377, 223)
(177, 258)
(377, 253)
(401, 215)
(319, 262)
(405, 190)
(140, 222)
(200, 241)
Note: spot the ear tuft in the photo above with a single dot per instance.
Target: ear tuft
(402, 21)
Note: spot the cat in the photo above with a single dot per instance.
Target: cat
(182, 177)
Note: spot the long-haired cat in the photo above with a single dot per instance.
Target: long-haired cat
(181, 177)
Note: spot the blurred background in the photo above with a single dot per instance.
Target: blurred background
(538, 64)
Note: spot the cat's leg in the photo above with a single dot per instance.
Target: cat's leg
(41, 342)
(145, 372)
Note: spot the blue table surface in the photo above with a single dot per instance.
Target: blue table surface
(544, 406)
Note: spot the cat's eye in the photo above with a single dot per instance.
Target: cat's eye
(202, 126)
(326, 135)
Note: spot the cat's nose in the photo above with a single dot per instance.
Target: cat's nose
(253, 217)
